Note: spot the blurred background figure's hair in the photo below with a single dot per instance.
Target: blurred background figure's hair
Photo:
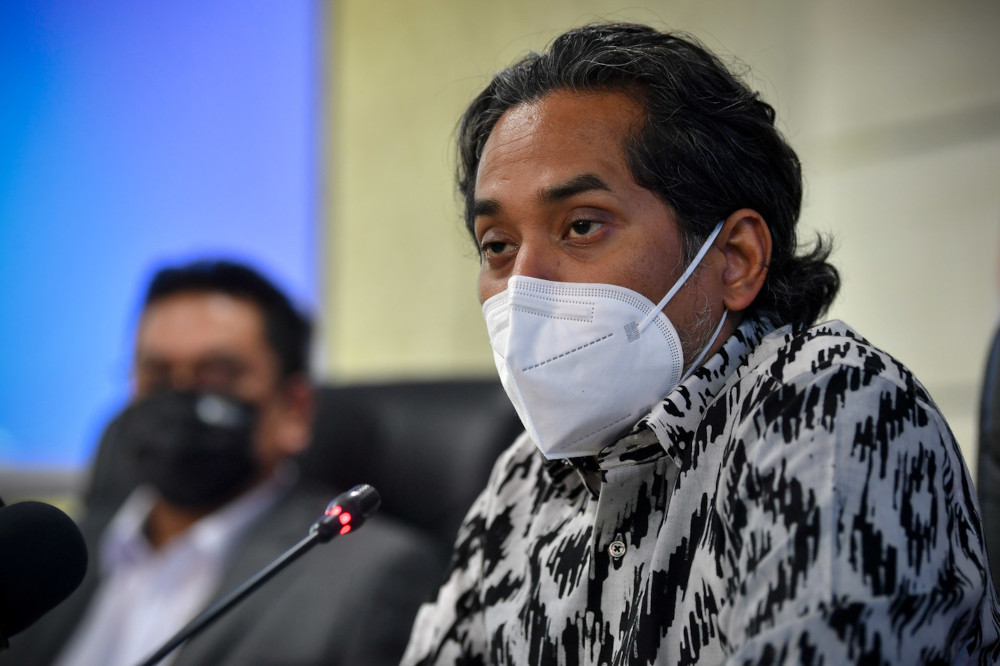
(287, 330)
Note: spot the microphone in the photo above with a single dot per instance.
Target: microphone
(347, 512)
(42, 560)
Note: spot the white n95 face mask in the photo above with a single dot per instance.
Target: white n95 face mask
(583, 362)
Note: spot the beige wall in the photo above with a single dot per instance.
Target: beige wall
(894, 108)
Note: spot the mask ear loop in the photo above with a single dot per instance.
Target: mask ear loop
(680, 283)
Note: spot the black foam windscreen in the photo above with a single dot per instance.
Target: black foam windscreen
(42, 560)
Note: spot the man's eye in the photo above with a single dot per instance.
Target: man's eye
(584, 228)
(493, 248)
(217, 381)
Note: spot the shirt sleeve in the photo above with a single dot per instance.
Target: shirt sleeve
(854, 532)
(450, 630)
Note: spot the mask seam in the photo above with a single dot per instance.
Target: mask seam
(567, 353)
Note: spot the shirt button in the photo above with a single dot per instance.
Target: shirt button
(617, 549)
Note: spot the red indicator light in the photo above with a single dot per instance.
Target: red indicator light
(334, 511)
(345, 529)
(345, 518)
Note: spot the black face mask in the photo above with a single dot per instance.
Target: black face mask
(195, 448)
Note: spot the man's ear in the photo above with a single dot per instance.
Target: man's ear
(298, 405)
(746, 245)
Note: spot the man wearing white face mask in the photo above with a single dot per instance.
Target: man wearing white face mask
(706, 476)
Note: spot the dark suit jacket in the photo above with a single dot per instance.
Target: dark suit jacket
(350, 601)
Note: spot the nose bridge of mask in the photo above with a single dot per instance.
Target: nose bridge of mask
(683, 278)
(566, 310)
(578, 307)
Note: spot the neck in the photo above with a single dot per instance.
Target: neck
(166, 522)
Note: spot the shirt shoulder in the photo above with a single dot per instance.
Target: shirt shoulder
(841, 463)
(792, 355)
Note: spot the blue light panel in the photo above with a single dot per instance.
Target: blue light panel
(133, 134)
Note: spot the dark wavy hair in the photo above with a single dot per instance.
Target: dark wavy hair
(707, 146)
(287, 330)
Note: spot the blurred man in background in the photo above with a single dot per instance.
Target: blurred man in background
(222, 404)
(708, 476)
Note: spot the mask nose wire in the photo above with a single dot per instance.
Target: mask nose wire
(680, 282)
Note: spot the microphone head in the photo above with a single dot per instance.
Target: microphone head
(42, 560)
(348, 511)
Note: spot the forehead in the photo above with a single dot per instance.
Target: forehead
(568, 131)
(189, 324)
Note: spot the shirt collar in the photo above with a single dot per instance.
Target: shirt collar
(125, 541)
(668, 428)
(675, 420)
(670, 425)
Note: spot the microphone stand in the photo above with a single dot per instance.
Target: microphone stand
(218, 608)
(362, 498)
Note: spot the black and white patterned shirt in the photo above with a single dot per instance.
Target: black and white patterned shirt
(798, 500)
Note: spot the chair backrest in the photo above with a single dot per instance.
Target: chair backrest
(426, 446)
(111, 475)
(988, 468)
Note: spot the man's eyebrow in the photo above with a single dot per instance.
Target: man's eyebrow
(575, 185)
(549, 195)
(488, 207)
(220, 356)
